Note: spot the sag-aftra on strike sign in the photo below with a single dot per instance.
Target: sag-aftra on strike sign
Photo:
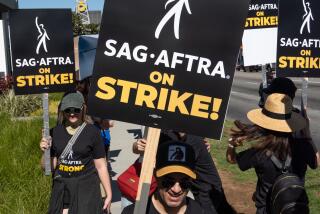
(298, 39)
(167, 64)
(42, 50)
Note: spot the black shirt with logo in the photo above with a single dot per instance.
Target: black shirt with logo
(303, 155)
(79, 161)
(192, 208)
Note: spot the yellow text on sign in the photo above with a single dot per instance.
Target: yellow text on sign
(158, 98)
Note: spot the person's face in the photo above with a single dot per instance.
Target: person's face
(173, 188)
(72, 115)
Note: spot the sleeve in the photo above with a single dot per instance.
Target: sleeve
(98, 145)
(53, 151)
(311, 157)
(246, 159)
(128, 210)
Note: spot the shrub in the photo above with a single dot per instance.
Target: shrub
(19, 106)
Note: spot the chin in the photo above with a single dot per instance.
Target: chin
(73, 120)
(173, 203)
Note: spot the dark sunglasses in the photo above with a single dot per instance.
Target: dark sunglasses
(168, 182)
(72, 110)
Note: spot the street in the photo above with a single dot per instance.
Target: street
(244, 97)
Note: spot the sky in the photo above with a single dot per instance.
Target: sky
(93, 4)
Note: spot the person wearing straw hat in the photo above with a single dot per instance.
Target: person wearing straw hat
(272, 129)
(78, 161)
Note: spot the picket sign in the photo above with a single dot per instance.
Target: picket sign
(149, 160)
(46, 133)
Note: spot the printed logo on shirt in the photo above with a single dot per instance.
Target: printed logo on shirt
(177, 153)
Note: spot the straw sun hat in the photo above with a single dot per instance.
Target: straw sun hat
(277, 115)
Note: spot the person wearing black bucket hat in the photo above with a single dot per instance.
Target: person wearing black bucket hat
(174, 171)
(273, 129)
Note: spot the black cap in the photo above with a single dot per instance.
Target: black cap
(281, 85)
(175, 156)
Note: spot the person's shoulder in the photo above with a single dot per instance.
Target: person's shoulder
(57, 128)
(128, 210)
(193, 207)
(92, 128)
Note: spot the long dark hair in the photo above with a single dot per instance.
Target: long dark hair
(268, 142)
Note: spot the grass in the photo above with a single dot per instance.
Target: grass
(24, 188)
(218, 151)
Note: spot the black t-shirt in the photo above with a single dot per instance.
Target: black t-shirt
(303, 155)
(192, 208)
(88, 146)
(207, 174)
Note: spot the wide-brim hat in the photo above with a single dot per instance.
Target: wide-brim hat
(175, 157)
(277, 115)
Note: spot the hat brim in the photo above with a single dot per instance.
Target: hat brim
(295, 123)
(175, 169)
(71, 105)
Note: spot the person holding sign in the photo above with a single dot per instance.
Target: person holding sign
(207, 188)
(78, 161)
(174, 172)
(273, 130)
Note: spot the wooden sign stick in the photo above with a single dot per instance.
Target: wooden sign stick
(148, 164)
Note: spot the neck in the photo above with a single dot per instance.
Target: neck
(162, 208)
(74, 125)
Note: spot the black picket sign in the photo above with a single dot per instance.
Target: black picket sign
(167, 64)
(298, 47)
(42, 50)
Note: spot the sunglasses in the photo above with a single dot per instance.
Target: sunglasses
(168, 182)
(73, 110)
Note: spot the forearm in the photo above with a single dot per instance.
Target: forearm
(104, 176)
(231, 155)
(53, 162)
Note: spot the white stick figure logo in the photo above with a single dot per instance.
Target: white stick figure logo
(70, 155)
(307, 17)
(175, 12)
(42, 38)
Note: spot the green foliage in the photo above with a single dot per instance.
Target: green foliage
(24, 188)
(218, 152)
(82, 29)
(19, 106)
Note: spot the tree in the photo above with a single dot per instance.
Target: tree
(82, 29)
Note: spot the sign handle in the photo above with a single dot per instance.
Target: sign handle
(264, 76)
(149, 160)
(304, 92)
(46, 134)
